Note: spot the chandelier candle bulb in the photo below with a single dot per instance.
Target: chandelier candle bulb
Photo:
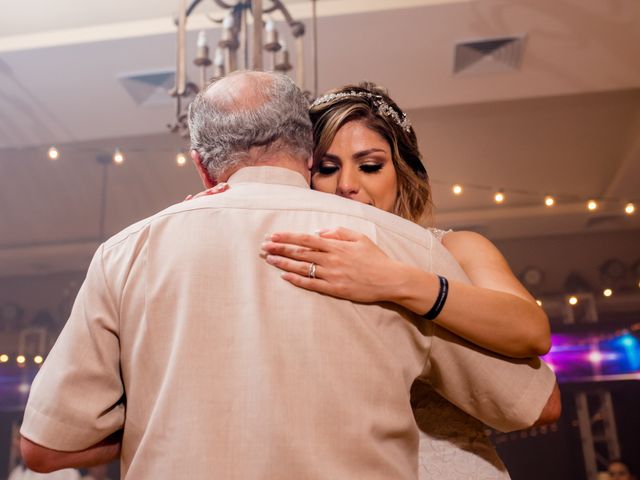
(283, 65)
(218, 64)
(592, 205)
(549, 201)
(457, 189)
(499, 197)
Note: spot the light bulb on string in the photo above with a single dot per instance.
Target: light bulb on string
(118, 156)
(181, 159)
(499, 197)
(457, 189)
(549, 201)
(573, 300)
(592, 205)
(629, 208)
(607, 292)
(38, 359)
(21, 359)
(53, 153)
(4, 358)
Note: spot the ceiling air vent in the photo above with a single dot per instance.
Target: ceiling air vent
(489, 55)
(148, 89)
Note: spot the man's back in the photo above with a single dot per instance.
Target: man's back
(229, 371)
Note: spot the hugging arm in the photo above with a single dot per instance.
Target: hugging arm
(495, 311)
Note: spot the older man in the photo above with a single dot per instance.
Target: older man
(211, 366)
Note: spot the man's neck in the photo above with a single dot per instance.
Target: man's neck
(273, 161)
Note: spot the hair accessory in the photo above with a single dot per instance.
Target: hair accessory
(440, 300)
(312, 271)
(383, 107)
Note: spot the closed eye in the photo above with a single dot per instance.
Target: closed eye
(371, 167)
(325, 168)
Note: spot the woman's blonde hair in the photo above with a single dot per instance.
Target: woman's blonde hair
(370, 104)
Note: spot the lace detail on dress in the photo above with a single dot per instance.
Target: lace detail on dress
(453, 444)
(438, 233)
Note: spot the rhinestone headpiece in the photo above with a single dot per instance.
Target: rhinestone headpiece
(383, 107)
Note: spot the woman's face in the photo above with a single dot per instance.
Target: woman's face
(358, 166)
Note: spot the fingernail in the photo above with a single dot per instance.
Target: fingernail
(320, 231)
(270, 259)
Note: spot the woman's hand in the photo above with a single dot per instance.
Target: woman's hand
(219, 188)
(347, 264)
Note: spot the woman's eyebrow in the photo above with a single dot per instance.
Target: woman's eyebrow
(367, 152)
(357, 155)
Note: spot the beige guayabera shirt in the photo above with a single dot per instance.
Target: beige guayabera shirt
(217, 368)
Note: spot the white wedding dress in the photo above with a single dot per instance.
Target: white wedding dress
(453, 444)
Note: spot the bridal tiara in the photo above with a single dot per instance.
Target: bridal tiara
(383, 107)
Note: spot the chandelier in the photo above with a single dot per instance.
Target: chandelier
(249, 41)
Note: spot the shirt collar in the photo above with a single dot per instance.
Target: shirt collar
(273, 175)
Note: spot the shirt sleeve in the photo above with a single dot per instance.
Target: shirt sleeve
(77, 398)
(505, 393)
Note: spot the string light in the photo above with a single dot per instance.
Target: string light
(573, 300)
(629, 208)
(4, 358)
(595, 356)
(499, 197)
(549, 201)
(21, 359)
(38, 359)
(592, 205)
(181, 159)
(457, 189)
(607, 292)
(118, 156)
(53, 153)
(539, 302)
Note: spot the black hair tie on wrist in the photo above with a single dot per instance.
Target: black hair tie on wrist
(440, 300)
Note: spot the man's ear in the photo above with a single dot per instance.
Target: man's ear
(310, 162)
(207, 181)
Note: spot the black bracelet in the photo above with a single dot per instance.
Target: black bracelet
(439, 303)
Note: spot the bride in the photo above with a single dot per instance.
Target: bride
(367, 151)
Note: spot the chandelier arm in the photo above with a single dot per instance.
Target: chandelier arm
(278, 5)
(223, 4)
(192, 6)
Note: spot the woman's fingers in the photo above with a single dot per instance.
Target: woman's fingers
(219, 188)
(296, 267)
(341, 233)
(306, 240)
(293, 252)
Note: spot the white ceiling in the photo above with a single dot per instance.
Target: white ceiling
(566, 122)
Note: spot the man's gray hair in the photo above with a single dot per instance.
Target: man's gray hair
(274, 115)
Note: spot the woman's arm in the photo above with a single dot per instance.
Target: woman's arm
(495, 311)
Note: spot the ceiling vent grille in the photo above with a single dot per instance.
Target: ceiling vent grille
(490, 55)
(148, 89)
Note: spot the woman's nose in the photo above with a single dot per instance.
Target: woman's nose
(347, 184)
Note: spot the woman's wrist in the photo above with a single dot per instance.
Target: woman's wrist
(415, 289)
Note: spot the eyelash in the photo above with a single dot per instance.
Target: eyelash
(368, 168)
